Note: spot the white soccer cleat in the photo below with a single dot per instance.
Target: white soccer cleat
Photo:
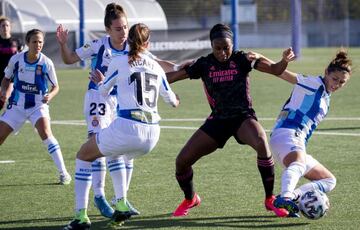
(64, 179)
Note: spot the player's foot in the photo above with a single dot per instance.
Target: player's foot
(293, 215)
(287, 203)
(133, 211)
(186, 205)
(105, 209)
(80, 222)
(279, 211)
(64, 178)
(122, 213)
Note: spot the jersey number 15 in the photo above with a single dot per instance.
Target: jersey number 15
(147, 90)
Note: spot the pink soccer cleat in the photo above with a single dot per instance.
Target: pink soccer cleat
(186, 205)
(269, 205)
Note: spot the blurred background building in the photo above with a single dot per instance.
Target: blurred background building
(181, 28)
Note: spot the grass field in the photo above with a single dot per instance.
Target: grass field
(227, 181)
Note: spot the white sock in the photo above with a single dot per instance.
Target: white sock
(98, 176)
(290, 177)
(82, 183)
(117, 171)
(129, 165)
(54, 150)
(324, 185)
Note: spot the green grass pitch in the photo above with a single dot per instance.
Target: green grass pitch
(227, 180)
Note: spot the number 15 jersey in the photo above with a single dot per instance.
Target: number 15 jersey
(139, 84)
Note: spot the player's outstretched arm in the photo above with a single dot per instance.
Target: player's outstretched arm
(264, 64)
(288, 76)
(68, 56)
(176, 76)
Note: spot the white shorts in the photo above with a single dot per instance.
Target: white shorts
(15, 116)
(99, 111)
(283, 141)
(127, 137)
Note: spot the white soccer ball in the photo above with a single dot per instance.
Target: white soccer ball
(314, 204)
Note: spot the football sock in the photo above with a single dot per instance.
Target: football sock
(290, 177)
(324, 185)
(129, 165)
(98, 176)
(82, 183)
(54, 150)
(266, 169)
(117, 171)
(186, 183)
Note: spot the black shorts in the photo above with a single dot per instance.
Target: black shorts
(222, 129)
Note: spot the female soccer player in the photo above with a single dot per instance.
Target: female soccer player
(135, 131)
(32, 72)
(299, 117)
(225, 74)
(99, 111)
(8, 47)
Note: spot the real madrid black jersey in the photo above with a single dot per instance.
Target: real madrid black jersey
(226, 84)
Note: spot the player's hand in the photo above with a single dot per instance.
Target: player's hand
(177, 100)
(46, 99)
(96, 76)
(288, 55)
(62, 34)
(251, 56)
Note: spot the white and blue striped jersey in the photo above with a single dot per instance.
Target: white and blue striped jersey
(139, 84)
(101, 52)
(31, 80)
(306, 107)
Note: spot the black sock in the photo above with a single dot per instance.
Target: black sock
(186, 183)
(267, 172)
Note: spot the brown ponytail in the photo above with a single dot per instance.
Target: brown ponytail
(139, 34)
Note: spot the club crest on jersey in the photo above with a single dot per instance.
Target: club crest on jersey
(86, 46)
(95, 122)
(232, 65)
(38, 70)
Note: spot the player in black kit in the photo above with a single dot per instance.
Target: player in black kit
(8, 47)
(225, 74)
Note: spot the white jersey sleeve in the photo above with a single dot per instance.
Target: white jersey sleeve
(88, 49)
(50, 73)
(9, 70)
(165, 91)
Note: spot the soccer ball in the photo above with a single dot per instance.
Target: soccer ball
(314, 204)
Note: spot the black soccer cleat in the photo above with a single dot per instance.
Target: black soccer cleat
(77, 225)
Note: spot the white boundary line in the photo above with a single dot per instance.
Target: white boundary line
(7, 162)
(82, 123)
